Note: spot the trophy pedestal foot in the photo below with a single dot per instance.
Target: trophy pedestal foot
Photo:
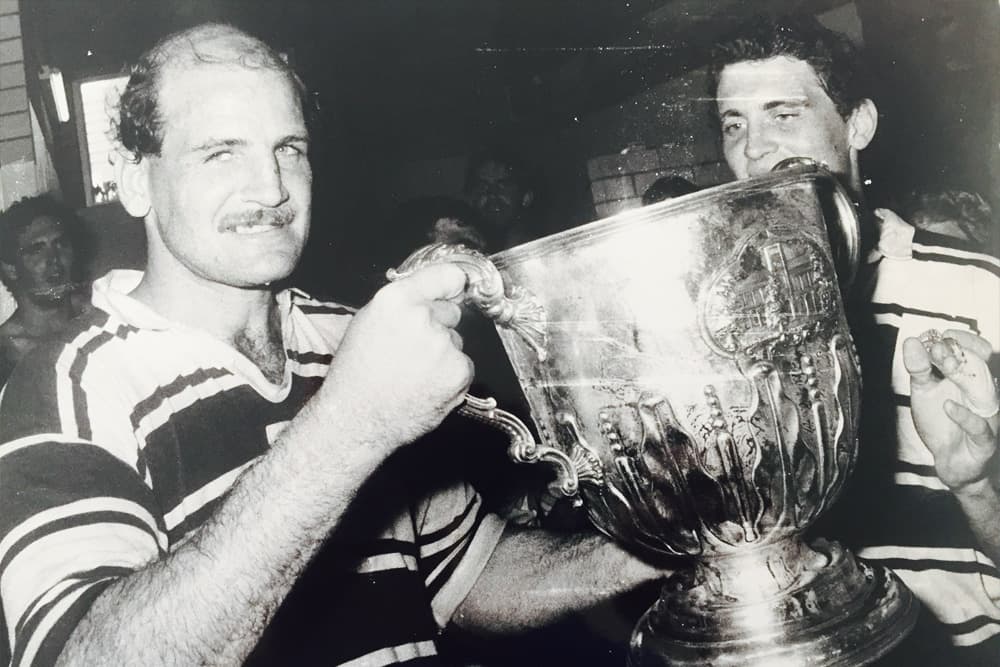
(848, 613)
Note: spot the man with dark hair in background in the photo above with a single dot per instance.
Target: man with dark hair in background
(172, 466)
(499, 187)
(39, 262)
(925, 505)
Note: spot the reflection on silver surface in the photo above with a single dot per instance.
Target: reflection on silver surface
(690, 370)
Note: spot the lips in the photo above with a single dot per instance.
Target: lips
(254, 229)
(258, 222)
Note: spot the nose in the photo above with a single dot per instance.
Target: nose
(759, 144)
(56, 260)
(266, 186)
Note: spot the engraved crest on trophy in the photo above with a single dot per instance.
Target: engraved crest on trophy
(690, 370)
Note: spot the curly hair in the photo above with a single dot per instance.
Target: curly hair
(23, 212)
(139, 126)
(837, 62)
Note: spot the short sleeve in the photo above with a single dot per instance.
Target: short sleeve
(75, 517)
(456, 537)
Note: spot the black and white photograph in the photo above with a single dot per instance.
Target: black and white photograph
(500, 333)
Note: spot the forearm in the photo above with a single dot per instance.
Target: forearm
(209, 601)
(535, 578)
(981, 504)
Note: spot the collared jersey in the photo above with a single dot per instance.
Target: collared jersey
(895, 510)
(121, 442)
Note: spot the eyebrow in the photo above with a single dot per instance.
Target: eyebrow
(797, 101)
(293, 138)
(211, 144)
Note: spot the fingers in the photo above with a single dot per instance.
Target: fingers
(971, 342)
(980, 435)
(435, 282)
(456, 340)
(446, 313)
(948, 356)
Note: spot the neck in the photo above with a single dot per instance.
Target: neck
(246, 318)
(41, 319)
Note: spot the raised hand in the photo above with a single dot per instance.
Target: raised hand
(400, 367)
(953, 400)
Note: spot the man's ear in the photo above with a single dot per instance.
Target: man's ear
(132, 175)
(862, 124)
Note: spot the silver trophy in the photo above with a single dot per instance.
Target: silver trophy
(691, 374)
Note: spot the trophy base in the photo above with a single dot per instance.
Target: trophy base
(848, 613)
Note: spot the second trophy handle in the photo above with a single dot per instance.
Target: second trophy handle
(522, 447)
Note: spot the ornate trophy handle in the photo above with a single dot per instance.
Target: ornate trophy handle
(847, 217)
(523, 448)
(515, 309)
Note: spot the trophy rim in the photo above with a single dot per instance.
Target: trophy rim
(654, 213)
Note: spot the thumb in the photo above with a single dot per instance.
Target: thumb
(917, 362)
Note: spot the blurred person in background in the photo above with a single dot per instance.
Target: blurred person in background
(40, 248)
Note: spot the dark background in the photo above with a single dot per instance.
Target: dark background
(410, 88)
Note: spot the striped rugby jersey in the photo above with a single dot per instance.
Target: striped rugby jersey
(895, 510)
(120, 443)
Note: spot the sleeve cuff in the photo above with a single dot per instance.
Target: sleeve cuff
(461, 581)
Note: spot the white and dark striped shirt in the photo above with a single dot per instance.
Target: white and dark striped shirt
(901, 514)
(121, 442)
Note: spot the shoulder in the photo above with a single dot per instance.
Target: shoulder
(11, 328)
(54, 372)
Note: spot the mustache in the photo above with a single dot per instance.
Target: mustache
(272, 217)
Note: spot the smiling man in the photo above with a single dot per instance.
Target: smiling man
(39, 244)
(173, 464)
(792, 88)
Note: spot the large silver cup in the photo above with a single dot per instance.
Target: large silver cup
(690, 371)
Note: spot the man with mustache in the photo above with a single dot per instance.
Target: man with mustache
(38, 246)
(174, 464)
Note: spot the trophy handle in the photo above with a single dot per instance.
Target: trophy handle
(515, 309)
(523, 448)
(847, 217)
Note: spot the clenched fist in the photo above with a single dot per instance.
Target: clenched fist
(400, 368)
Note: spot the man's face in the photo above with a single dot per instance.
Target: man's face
(775, 109)
(44, 261)
(495, 194)
(230, 190)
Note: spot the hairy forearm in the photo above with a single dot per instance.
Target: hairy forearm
(981, 504)
(209, 601)
(535, 578)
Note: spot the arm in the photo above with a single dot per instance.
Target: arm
(395, 376)
(534, 578)
(955, 413)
